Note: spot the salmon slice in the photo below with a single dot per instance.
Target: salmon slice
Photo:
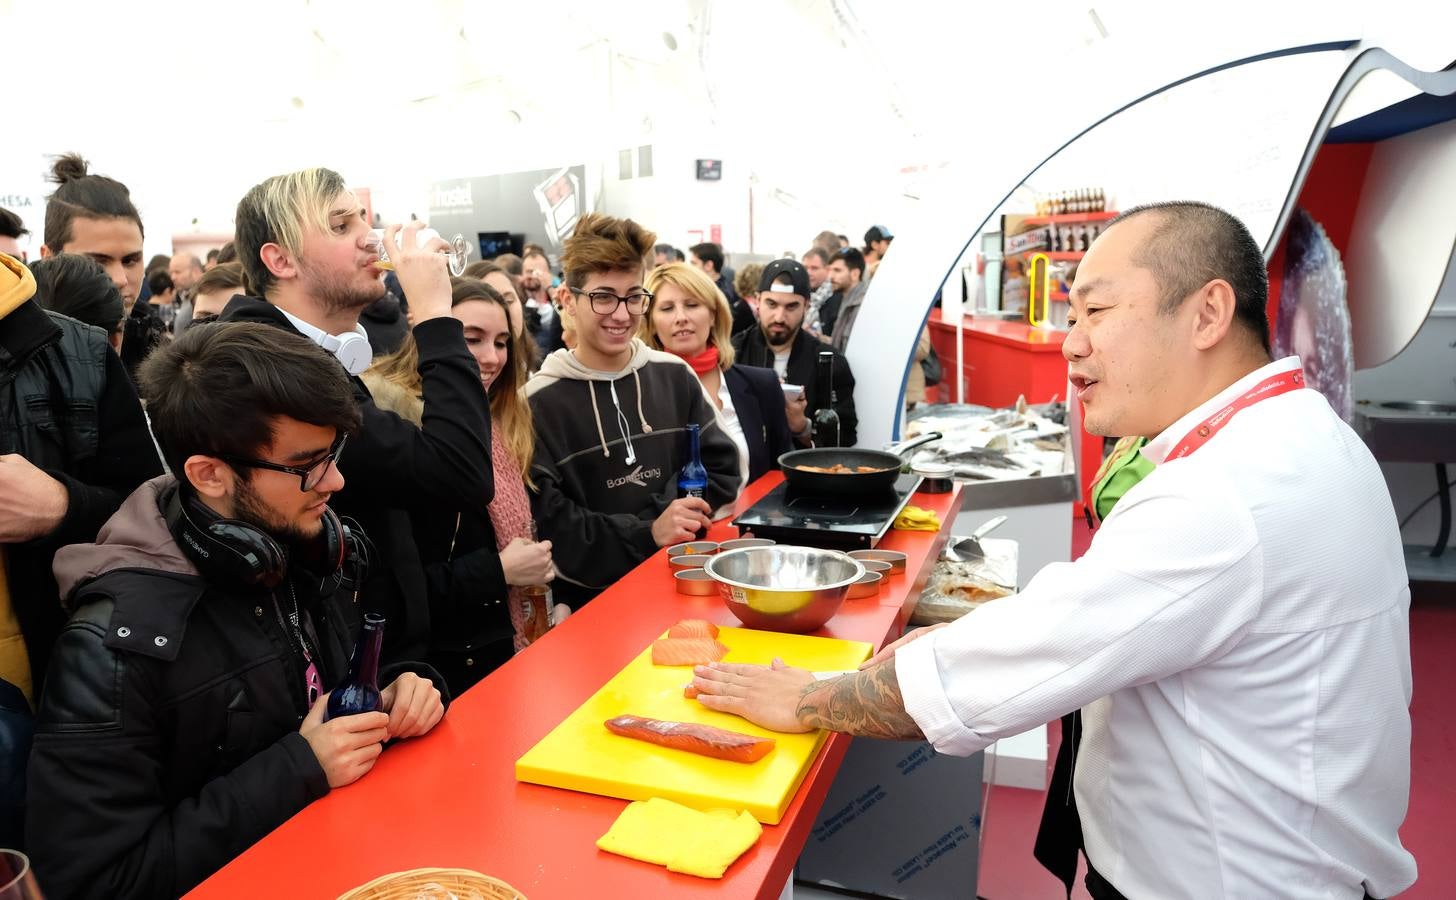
(686, 651)
(690, 692)
(693, 628)
(705, 740)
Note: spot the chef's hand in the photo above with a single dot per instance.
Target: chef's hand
(413, 704)
(681, 521)
(32, 503)
(767, 696)
(527, 562)
(423, 273)
(889, 649)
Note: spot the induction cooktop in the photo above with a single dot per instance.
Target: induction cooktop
(833, 523)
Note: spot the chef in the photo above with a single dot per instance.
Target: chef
(1237, 634)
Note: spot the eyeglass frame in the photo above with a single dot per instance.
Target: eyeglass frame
(621, 301)
(328, 459)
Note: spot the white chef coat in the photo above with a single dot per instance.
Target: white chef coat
(1238, 633)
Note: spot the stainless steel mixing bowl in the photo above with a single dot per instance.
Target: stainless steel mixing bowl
(783, 588)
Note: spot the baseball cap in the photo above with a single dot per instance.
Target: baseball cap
(790, 274)
(878, 233)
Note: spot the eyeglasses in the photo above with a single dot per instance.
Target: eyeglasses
(604, 303)
(309, 476)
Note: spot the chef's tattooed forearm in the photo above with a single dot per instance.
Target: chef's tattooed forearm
(865, 703)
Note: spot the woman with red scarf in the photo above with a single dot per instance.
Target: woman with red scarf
(688, 316)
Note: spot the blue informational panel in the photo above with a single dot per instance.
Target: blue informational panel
(900, 821)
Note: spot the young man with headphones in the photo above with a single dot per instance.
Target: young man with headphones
(183, 713)
(302, 241)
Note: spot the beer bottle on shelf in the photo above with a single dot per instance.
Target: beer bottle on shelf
(692, 478)
(359, 692)
(826, 420)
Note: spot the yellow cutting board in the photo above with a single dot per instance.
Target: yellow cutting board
(582, 755)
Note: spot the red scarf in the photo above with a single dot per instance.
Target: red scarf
(704, 362)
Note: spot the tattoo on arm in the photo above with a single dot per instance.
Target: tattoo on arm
(865, 703)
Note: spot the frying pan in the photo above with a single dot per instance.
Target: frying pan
(886, 466)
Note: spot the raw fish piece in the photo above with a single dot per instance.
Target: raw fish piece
(687, 651)
(705, 740)
(693, 628)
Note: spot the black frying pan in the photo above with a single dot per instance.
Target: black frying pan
(885, 465)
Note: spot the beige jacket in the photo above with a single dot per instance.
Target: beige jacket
(915, 380)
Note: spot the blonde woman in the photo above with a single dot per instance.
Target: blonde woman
(689, 317)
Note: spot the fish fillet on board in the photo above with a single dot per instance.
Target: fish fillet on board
(693, 628)
(705, 740)
(687, 651)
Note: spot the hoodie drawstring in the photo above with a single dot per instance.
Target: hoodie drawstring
(597, 414)
(637, 380)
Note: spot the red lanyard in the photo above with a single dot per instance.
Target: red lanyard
(1272, 386)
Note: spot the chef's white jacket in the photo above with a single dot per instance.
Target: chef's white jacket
(1238, 635)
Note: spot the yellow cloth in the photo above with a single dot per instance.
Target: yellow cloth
(14, 658)
(669, 834)
(913, 518)
(17, 285)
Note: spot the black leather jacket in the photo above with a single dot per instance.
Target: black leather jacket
(167, 740)
(67, 406)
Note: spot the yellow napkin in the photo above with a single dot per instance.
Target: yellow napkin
(669, 834)
(913, 518)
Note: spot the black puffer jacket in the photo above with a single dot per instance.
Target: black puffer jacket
(167, 740)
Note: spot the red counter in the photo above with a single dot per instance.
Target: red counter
(1001, 361)
(451, 798)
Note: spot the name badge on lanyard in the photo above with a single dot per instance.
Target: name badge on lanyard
(1272, 386)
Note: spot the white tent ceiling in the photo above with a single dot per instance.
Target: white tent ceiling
(827, 103)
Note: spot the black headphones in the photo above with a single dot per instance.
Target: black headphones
(232, 550)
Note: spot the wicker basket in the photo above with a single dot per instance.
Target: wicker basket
(434, 884)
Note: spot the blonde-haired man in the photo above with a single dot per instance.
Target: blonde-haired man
(302, 242)
(608, 481)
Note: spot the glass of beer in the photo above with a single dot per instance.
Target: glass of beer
(457, 255)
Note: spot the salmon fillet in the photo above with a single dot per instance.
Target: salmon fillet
(705, 740)
(693, 628)
(686, 651)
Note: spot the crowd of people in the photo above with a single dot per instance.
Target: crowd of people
(211, 472)
(211, 468)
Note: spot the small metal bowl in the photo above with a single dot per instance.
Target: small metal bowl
(744, 543)
(691, 548)
(877, 565)
(695, 582)
(868, 586)
(695, 561)
(895, 558)
(783, 588)
(937, 478)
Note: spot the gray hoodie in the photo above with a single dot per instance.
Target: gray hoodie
(609, 446)
(135, 537)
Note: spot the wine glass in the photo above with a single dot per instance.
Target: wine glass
(17, 881)
(457, 255)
